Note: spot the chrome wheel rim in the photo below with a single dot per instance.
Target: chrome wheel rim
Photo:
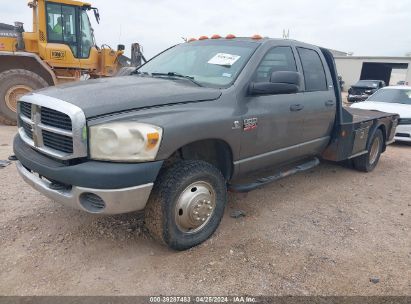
(195, 207)
(375, 147)
(13, 95)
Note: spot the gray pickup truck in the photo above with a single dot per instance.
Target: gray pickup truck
(200, 118)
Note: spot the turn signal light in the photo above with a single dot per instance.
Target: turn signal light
(203, 38)
(215, 36)
(152, 140)
(230, 36)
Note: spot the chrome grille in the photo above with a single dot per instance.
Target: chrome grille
(55, 119)
(58, 142)
(25, 109)
(52, 126)
(27, 129)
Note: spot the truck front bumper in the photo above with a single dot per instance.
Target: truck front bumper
(91, 186)
(106, 201)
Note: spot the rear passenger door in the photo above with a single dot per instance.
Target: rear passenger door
(319, 101)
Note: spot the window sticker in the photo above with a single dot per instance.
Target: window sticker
(224, 59)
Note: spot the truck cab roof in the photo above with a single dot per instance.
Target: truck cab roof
(262, 40)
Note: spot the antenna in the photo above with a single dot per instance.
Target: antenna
(286, 34)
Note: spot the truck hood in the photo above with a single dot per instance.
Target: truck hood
(402, 109)
(110, 95)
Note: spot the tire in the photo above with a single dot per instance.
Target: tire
(179, 192)
(14, 84)
(367, 162)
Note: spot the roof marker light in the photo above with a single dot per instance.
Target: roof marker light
(230, 36)
(203, 38)
(256, 37)
(215, 36)
(191, 40)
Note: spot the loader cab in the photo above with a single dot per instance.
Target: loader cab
(69, 25)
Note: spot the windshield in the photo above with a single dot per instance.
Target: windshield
(392, 95)
(367, 83)
(209, 63)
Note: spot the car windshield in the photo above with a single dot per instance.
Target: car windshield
(367, 83)
(208, 63)
(392, 95)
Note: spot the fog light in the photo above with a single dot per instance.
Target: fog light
(92, 202)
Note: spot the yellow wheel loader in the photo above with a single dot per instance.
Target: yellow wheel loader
(61, 48)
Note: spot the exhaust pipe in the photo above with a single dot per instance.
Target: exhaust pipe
(19, 29)
(137, 57)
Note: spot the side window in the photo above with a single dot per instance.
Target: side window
(61, 25)
(279, 58)
(314, 74)
(86, 34)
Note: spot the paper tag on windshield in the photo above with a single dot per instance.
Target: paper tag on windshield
(224, 59)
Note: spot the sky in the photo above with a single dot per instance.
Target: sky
(364, 27)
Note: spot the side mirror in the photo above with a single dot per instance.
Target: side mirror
(281, 82)
(121, 47)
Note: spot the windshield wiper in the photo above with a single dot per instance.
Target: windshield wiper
(174, 74)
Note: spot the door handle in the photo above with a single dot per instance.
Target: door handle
(329, 103)
(296, 107)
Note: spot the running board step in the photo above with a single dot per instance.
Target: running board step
(266, 180)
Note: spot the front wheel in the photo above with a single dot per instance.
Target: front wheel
(367, 162)
(186, 205)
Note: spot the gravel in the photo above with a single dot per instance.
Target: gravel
(237, 213)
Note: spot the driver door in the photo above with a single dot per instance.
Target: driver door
(277, 119)
(61, 49)
(70, 40)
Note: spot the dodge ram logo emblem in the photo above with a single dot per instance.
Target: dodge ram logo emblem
(36, 131)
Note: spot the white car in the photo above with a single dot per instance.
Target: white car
(393, 99)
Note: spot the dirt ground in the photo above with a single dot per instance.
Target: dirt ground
(330, 231)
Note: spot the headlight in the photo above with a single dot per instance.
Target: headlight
(124, 141)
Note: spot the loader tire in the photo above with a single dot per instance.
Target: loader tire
(13, 85)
